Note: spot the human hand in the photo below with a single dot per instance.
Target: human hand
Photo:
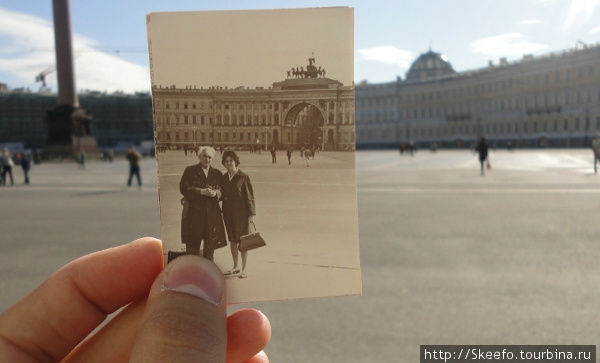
(251, 220)
(177, 314)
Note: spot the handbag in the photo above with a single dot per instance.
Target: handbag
(251, 241)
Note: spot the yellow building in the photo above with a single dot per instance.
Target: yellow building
(548, 100)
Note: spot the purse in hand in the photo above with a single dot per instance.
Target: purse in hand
(251, 241)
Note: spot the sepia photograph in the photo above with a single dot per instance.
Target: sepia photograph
(254, 136)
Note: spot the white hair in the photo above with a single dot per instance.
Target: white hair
(208, 150)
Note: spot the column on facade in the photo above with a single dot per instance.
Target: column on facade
(279, 111)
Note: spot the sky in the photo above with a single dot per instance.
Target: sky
(230, 56)
(111, 44)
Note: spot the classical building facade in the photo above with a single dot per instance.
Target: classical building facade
(306, 109)
(549, 100)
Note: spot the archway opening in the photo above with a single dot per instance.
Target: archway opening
(303, 126)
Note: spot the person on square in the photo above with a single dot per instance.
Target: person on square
(174, 313)
(307, 155)
(134, 157)
(26, 166)
(289, 155)
(596, 151)
(7, 164)
(273, 154)
(238, 208)
(201, 220)
(482, 150)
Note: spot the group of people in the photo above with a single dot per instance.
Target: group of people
(215, 203)
(7, 163)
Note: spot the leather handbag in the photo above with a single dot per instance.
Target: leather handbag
(251, 241)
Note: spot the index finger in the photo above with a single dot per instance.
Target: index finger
(49, 322)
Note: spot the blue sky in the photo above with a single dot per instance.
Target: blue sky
(110, 35)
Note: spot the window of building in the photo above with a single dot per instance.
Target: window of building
(227, 136)
(202, 136)
(185, 105)
(193, 106)
(576, 124)
(241, 136)
(525, 126)
(185, 136)
(555, 126)
(177, 105)
(218, 136)
(177, 136)
(565, 125)
(167, 104)
(185, 119)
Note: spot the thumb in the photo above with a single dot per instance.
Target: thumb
(185, 317)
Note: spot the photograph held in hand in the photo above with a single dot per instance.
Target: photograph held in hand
(226, 101)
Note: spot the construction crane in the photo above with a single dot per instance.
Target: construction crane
(41, 77)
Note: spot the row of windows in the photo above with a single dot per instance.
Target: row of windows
(202, 136)
(541, 103)
(236, 106)
(576, 125)
(566, 97)
(546, 78)
(234, 120)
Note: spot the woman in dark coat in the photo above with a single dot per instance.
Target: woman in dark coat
(238, 208)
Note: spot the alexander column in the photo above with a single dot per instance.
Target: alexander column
(69, 126)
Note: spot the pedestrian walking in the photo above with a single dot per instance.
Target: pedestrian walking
(82, 157)
(273, 154)
(289, 155)
(307, 154)
(134, 157)
(26, 165)
(596, 151)
(482, 149)
(7, 165)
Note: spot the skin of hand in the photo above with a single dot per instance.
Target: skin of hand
(175, 313)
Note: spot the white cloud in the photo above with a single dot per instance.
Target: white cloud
(388, 54)
(580, 12)
(506, 45)
(28, 48)
(530, 22)
(595, 30)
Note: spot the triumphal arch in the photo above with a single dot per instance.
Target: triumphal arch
(306, 109)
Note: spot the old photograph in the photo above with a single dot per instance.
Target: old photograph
(254, 135)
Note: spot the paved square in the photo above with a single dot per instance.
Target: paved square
(447, 256)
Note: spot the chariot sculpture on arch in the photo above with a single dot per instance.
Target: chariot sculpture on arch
(311, 70)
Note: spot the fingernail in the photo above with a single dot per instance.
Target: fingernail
(195, 276)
